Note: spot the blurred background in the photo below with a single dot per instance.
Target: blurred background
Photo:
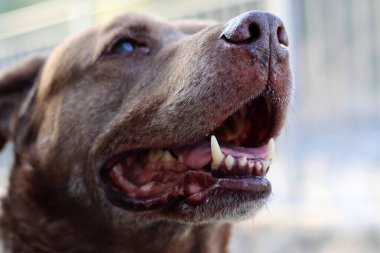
(326, 176)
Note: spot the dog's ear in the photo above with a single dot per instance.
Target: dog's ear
(15, 83)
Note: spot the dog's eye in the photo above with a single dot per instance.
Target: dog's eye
(124, 46)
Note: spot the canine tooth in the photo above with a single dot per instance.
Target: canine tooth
(242, 162)
(155, 155)
(216, 153)
(271, 147)
(167, 157)
(180, 158)
(229, 162)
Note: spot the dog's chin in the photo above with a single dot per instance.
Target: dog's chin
(221, 177)
(221, 206)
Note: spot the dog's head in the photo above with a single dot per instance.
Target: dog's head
(150, 119)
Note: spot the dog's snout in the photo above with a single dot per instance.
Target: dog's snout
(255, 28)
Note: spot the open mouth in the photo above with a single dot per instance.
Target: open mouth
(235, 157)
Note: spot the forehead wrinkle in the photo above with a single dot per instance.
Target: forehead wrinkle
(127, 28)
(133, 23)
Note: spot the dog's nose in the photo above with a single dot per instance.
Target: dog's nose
(256, 27)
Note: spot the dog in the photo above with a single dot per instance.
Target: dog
(141, 135)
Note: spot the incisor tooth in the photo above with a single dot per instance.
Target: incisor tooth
(258, 166)
(271, 148)
(168, 157)
(265, 167)
(155, 155)
(216, 153)
(229, 162)
(242, 162)
(250, 166)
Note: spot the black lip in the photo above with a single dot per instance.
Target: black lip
(253, 188)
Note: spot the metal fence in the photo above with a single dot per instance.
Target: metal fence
(335, 44)
(22, 39)
(338, 58)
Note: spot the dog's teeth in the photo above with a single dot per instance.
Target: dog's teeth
(155, 155)
(269, 106)
(233, 132)
(265, 168)
(180, 158)
(251, 165)
(271, 148)
(167, 157)
(216, 152)
(242, 162)
(147, 187)
(258, 167)
(240, 125)
(229, 162)
(266, 165)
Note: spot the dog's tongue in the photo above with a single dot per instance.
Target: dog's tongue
(200, 154)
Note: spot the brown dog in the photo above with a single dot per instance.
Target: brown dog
(116, 135)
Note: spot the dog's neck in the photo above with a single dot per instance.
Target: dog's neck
(169, 237)
(39, 218)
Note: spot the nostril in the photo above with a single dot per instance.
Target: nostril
(254, 31)
(255, 28)
(282, 36)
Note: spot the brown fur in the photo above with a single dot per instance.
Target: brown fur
(68, 113)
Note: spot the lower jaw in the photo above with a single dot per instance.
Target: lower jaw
(194, 190)
(220, 205)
